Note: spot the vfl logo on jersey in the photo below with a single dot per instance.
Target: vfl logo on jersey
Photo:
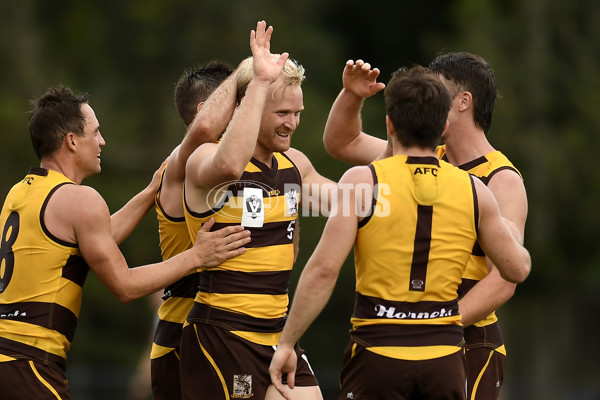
(254, 211)
(242, 387)
(229, 198)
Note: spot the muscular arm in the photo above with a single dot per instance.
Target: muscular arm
(211, 165)
(316, 189)
(510, 258)
(210, 121)
(343, 137)
(87, 222)
(317, 280)
(492, 292)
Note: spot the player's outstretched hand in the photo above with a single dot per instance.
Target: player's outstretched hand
(266, 67)
(359, 78)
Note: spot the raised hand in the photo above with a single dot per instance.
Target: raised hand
(267, 67)
(359, 79)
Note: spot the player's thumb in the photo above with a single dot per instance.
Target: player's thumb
(207, 225)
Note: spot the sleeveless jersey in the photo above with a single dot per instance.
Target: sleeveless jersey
(248, 294)
(179, 296)
(484, 168)
(41, 276)
(410, 255)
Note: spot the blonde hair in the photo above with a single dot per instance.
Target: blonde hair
(292, 74)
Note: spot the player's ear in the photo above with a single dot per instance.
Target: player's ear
(70, 140)
(466, 100)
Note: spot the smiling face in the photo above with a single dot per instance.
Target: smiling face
(89, 144)
(280, 119)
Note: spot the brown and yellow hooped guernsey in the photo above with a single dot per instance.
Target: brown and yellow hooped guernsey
(248, 294)
(42, 276)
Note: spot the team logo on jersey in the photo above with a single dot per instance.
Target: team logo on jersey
(242, 387)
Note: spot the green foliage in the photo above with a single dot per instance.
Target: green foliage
(128, 55)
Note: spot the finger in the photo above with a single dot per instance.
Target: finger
(366, 66)
(268, 34)
(234, 253)
(283, 59)
(207, 225)
(291, 379)
(238, 243)
(233, 229)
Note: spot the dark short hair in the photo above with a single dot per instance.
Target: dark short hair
(195, 86)
(54, 114)
(417, 103)
(471, 73)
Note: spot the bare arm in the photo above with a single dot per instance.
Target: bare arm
(317, 190)
(210, 121)
(343, 137)
(217, 164)
(124, 221)
(496, 240)
(317, 281)
(87, 221)
(492, 292)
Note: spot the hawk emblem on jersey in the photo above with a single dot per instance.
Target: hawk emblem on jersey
(242, 387)
(291, 197)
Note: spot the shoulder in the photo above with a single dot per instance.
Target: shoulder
(78, 199)
(300, 160)
(358, 175)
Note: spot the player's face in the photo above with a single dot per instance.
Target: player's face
(280, 118)
(90, 144)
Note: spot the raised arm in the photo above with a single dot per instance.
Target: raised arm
(343, 137)
(492, 292)
(495, 238)
(210, 121)
(211, 165)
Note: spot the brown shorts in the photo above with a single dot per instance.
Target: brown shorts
(216, 364)
(27, 379)
(370, 376)
(164, 372)
(485, 373)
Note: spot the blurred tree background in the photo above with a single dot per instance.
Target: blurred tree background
(129, 54)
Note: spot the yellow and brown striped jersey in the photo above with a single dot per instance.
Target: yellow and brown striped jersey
(484, 168)
(248, 294)
(179, 296)
(41, 276)
(410, 255)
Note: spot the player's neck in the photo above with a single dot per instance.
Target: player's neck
(264, 156)
(468, 145)
(412, 151)
(54, 164)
